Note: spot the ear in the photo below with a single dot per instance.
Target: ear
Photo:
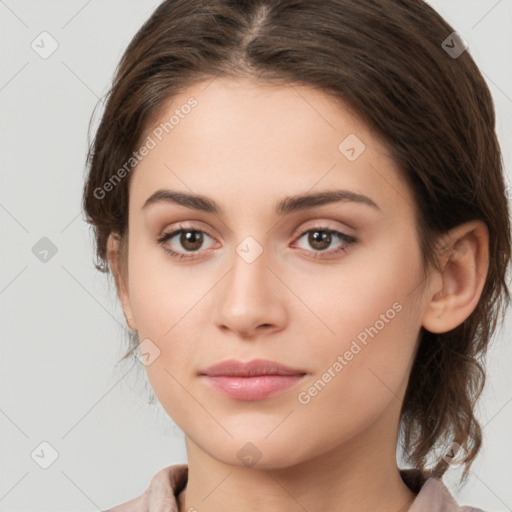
(119, 271)
(464, 266)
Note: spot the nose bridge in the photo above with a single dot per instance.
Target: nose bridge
(249, 296)
(249, 275)
(250, 245)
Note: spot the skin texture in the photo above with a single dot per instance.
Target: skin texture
(247, 145)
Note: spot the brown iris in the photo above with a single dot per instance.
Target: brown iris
(324, 236)
(194, 238)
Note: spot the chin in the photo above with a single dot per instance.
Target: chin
(258, 451)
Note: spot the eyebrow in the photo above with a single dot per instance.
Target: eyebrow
(286, 206)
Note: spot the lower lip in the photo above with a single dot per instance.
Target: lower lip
(253, 388)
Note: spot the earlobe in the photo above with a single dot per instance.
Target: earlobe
(464, 267)
(118, 271)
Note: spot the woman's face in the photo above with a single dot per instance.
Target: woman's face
(259, 279)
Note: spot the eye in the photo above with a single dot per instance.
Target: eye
(321, 238)
(190, 240)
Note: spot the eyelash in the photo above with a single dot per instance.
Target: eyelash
(347, 239)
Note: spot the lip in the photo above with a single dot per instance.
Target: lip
(252, 380)
(253, 368)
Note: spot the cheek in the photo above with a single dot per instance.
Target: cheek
(167, 308)
(162, 295)
(362, 369)
(365, 312)
(343, 301)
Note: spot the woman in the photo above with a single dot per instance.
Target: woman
(303, 208)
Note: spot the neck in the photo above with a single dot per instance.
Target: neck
(357, 476)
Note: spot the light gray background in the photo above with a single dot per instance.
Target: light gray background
(61, 326)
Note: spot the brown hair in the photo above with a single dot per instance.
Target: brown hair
(385, 60)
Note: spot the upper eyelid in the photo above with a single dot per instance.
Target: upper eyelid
(298, 232)
(312, 224)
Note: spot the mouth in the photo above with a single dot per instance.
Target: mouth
(257, 387)
(253, 380)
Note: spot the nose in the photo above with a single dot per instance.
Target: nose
(251, 300)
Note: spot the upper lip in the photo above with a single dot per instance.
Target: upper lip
(234, 367)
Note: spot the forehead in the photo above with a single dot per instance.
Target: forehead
(239, 140)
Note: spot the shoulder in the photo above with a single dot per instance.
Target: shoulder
(432, 494)
(139, 503)
(160, 494)
(438, 495)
